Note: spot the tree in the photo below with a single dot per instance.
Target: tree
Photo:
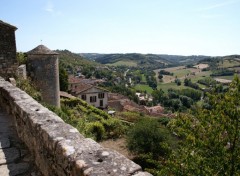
(22, 58)
(210, 138)
(63, 79)
(146, 137)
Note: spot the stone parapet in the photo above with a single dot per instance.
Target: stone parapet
(58, 148)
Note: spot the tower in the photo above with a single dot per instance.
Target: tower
(44, 71)
(8, 60)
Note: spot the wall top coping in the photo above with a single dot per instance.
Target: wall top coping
(9, 25)
(41, 50)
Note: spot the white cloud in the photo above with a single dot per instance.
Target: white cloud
(49, 7)
(218, 5)
(210, 16)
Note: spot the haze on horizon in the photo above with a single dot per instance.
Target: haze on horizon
(201, 27)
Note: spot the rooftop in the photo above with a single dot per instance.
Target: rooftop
(41, 50)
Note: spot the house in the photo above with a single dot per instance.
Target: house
(92, 94)
(74, 82)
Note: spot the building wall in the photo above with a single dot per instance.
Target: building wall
(44, 71)
(95, 92)
(8, 60)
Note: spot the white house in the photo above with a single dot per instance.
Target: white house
(93, 95)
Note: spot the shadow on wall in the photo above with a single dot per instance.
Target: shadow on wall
(13, 153)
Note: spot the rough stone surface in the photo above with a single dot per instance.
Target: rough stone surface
(4, 143)
(15, 159)
(8, 61)
(57, 147)
(44, 71)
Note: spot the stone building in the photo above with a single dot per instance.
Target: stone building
(43, 69)
(8, 60)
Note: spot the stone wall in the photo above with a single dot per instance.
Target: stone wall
(58, 148)
(8, 61)
(43, 69)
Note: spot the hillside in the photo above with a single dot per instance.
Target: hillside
(183, 60)
(73, 61)
(143, 60)
(131, 59)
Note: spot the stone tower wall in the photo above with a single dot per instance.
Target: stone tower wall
(44, 72)
(8, 61)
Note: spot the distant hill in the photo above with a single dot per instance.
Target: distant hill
(73, 61)
(183, 60)
(131, 59)
(143, 60)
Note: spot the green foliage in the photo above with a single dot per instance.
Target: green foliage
(21, 58)
(176, 100)
(148, 163)
(146, 137)
(95, 130)
(178, 82)
(132, 59)
(63, 79)
(223, 72)
(90, 121)
(210, 138)
(130, 116)
(27, 86)
(189, 83)
(72, 62)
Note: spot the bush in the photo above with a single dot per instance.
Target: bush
(95, 130)
(146, 137)
(27, 86)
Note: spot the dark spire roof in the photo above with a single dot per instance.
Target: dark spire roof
(9, 25)
(42, 50)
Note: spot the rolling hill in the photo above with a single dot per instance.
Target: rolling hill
(143, 60)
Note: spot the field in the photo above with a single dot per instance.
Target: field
(124, 62)
(195, 73)
(229, 63)
(181, 73)
(143, 87)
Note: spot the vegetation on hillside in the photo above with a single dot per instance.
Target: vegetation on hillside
(90, 121)
(73, 62)
(210, 138)
(140, 60)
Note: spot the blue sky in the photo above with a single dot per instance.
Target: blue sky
(184, 27)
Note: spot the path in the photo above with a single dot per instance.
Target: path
(15, 159)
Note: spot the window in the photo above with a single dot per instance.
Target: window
(84, 97)
(93, 99)
(101, 95)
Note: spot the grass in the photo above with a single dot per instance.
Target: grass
(226, 77)
(180, 73)
(166, 86)
(144, 78)
(124, 62)
(143, 87)
(229, 63)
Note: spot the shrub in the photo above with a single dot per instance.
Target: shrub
(27, 86)
(95, 130)
(146, 137)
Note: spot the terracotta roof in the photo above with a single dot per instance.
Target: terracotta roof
(75, 80)
(42, 50)
(66, 95)
(82, 87)
(9, 25)
(72, 80)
